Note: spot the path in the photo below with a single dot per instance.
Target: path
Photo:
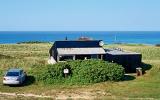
(60, 95)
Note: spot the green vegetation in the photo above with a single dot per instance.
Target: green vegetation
(32, 42)
(81, 72)
(33, 57)
(24, 56)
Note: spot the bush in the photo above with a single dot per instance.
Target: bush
(81, 72)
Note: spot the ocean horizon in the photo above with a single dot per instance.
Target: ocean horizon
(109, 37)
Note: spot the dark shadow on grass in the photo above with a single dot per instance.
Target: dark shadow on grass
(145, 67)
(29, 80)
(128, 78)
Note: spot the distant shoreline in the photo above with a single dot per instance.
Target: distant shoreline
(32, 42)
(118, 43)
(109, 37)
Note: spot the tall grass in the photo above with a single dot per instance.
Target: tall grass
(22, 56)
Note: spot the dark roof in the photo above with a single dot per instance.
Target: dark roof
(120, 52)
(80, 51)
(77, 44)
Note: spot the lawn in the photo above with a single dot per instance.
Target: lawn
(29, 56)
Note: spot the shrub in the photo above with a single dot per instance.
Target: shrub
(81, 72)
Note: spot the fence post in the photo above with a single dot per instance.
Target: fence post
(139, 71)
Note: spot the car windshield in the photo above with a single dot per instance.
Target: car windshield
(12, 74)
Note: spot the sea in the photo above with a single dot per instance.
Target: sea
(109, 37)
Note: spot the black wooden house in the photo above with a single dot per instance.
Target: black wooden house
(65, 50)
(93, 49)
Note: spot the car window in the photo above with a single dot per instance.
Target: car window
(12, 74)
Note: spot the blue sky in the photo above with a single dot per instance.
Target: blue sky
(79, 15)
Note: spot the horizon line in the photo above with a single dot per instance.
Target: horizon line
(80, 31)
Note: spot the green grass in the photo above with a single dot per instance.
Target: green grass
(32, 42)
(29, 56)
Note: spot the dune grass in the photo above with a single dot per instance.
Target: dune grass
(28, 56)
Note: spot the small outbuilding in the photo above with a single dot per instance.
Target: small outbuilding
(129, 60)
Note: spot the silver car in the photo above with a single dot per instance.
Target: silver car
(14, 77)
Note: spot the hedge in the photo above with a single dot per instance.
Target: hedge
(81, 72)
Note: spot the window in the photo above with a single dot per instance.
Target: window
(12, 74)
(65, 58)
